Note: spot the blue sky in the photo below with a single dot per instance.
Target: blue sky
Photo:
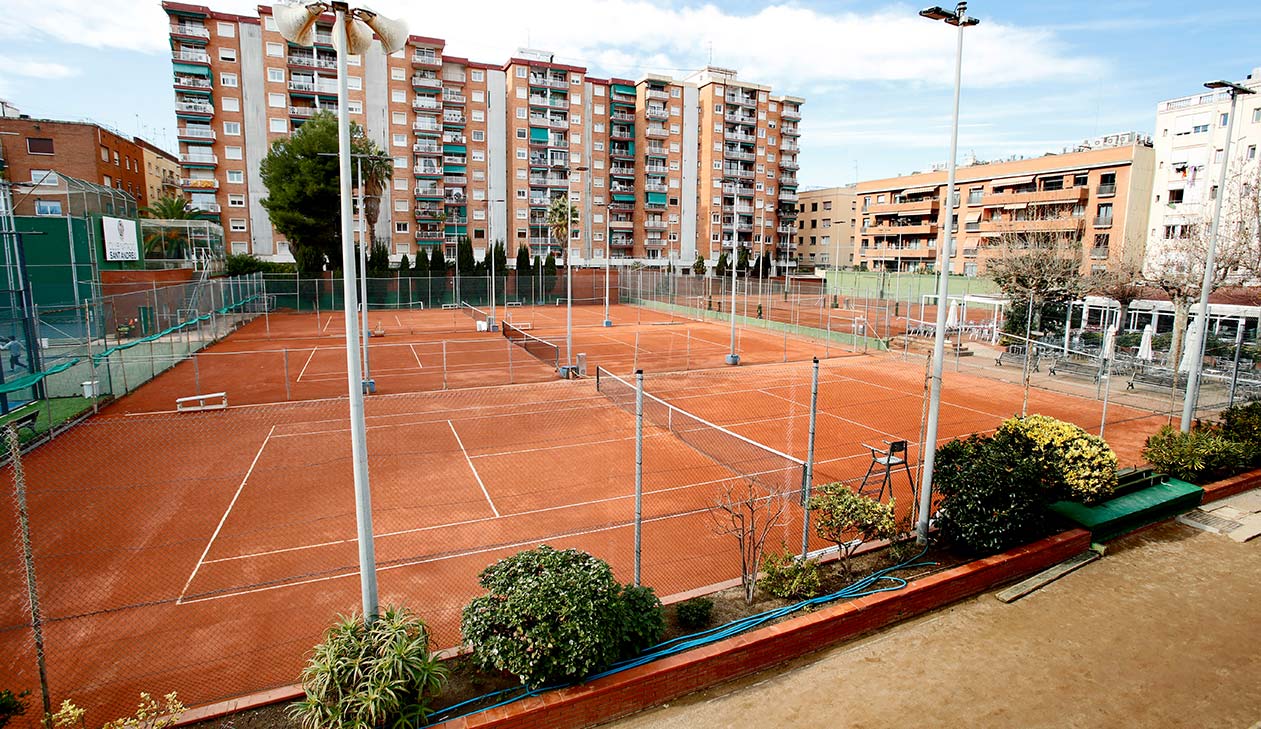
(1038, 76)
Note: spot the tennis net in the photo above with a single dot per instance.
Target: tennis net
(774, 470)
(474, 312)
(540, 348)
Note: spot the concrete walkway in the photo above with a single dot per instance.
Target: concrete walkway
(1165, 631)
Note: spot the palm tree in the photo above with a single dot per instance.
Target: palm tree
(167, 241)
(376, 170)
(559, 223)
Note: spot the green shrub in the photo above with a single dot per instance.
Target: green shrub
(370, 675)
(848, 520)
(990, 500)
(694, 614)
(642, 621)
(1075, 464)
(149, 715)
(11, 705)
(244, 264)
(783, 575)
(556, 615)
(1200, 455)
(1242, 424)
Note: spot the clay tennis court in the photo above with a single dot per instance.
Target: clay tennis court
(206, 552)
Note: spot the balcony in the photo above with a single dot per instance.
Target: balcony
(789, 180)
(656, 112)
(655, 169)
(621, 116)
(426, 59)
(455, 196)
(657, 94)
(790, 113)
(737, 136)
(204, 207)
(451, 159)
(426, 148)
(620, 151)
(197, 133)
(742, 209)
(741, 190)
(656, 133)
(901, 230)
(655, 187)
(450, 137)
(193, 82)
(428, 211)
(426, 125)
(451, 97)
(622, 224)
(788, 163)
(548, 81)
(736, 117)
(198, 159)
(449, 118)
(194, 107)
(320, 87)
(738, 173)
(1106, 190)
(427, 103)
(306, 112)
(786, 229)
(737, 153)
(1066, 196)
(1099, 254)
(199, 184)
(790, 146)
(455, 180)
(548, 181)
(655, 225)
(427, 191)
(789, 195)
(741, 99)
(429, 234)
(622, 98)
(299, 59)
(622, 133)
(925, 206)
(324, 39)
(790, 130)
(1050, 225)
(622, 242)
(431, 170)
(622, 171)
(191, 56)
(195, 31)
(622, 187)
(1103, 221)
(426, 82)
(655, 150)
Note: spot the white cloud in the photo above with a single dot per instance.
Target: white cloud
(10, 66)
(786, 45)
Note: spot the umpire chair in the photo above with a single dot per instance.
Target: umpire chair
(888, 458)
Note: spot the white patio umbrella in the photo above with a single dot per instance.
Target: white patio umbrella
(952, 315)
(1190, 346)
(1110, 342)
(1145, 344)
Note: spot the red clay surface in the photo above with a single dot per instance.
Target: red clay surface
(206, 552)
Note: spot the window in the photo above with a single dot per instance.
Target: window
(479, 96)
(48, 177)
(354, 82)
(1256, 115)
(227, 30)
(398, 96)
(104, 153)
(400, 163)
(354, 107)
(398, 140)
(232, 153)
(397, 74)
(276, 101)
(353, 60)
(116, 158)
(276, 75)
(400, 206)
(1225, 118)
(521, 113)
(227, 54)
(279, 126)
(106, 180)
(228, 79)
(232, 129)
(236, 225)
(276, 50)
(521, 92)
(1175, 196)
(1252, 151)
(48, 207)
(230, 103)
(521, 71)
(39, 145)
(269, 23)
(236, 176)
(479, 135)
(1199, 128)
(521, 134)
(478, 76)
(400, 183)
(401, 226)
(479, 155)
(479, 115)
(236, 200)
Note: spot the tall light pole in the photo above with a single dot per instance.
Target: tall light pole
(960, 20)
(352, 34)
(490, 234)
(733, 358)
(1193, 376)
(569, 268)
(608, 255)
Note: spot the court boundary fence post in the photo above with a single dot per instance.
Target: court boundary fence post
(28, 561)
(807, 477)
(284, 353)
(639, 470)
(444, 364)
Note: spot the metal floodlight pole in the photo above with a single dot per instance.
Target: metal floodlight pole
(363, 273)
(608, 255)
(733, 358)
(1193, 376)
(639, 468)
(960, 20)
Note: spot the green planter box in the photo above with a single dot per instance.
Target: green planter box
(1132, 509)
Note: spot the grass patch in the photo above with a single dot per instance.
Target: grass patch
(52, 413)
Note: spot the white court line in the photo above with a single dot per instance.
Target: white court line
(224, 518)
(473, 468)
(830, 415)
(330, 321)
(400, 323)
(417, 356)
(308, 363)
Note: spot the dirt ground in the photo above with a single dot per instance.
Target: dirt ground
(1162, 632)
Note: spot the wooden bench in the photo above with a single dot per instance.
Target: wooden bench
(1016, 357)
(195, 403)
(1074, 367)
(450, 306)
(1158, 380)
(511, 303)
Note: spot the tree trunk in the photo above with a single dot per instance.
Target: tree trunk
(1125, 307)
(1181, 308)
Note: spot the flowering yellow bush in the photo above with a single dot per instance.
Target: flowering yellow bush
(1076, 464)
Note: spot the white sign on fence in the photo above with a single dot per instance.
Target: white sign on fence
(120, 239)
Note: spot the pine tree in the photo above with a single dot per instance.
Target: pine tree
(404, 267)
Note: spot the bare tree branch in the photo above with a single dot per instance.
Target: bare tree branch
(749, 512)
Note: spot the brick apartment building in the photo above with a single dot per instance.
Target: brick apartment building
(659, 168)
(36, 150)
(161, 171)
(1098, 194)
(825, 227)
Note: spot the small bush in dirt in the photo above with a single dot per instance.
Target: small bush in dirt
(848, 519)
(1075, 464)
(1242, 424)
(694, 614)
(785, 576)
(1197, 456)
(370, 674)
(11, 705)
(149, 715)
(990, 501)
(554, 616)
(642, 621)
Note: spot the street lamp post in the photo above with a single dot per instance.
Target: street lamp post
(960, 20)
(569, 268)
(1193, 376)
(352, 35)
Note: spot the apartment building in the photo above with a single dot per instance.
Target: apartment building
(1096, 194)
(825, 227)
(480, 150)
(1189, 143)
(37, 150)
(161, 171)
